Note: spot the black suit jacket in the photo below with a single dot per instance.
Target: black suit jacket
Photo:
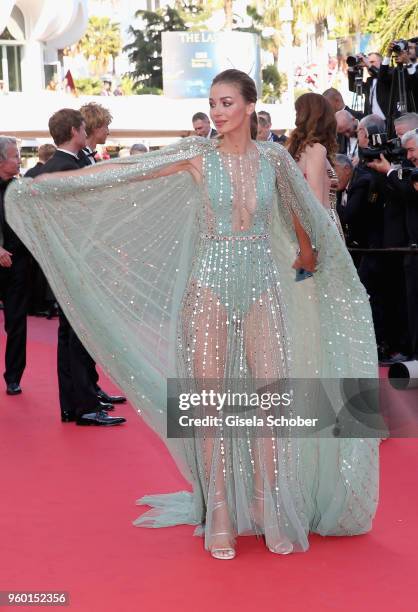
(343, 143)
(59, 162)
(32, 172)
(382, 92)
(389, 77)
(11, 242)
(353, 213)
(406, 195)
(84, 158)
(363, 216)
(412, 85)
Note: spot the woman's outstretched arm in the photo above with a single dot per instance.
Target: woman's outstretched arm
(191, 166)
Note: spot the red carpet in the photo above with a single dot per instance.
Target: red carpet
(68, 501)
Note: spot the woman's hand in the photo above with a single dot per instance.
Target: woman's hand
(307, 259)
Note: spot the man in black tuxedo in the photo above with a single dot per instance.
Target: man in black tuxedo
(271, 136)
(362, 218)
(352, 199)
(96, 121)
(45, 152)
(406, 192)
(376, 91)
(382, 274)
(405, 70)
(202, 127)
(41, 299)
(14, 268)
(79, 400)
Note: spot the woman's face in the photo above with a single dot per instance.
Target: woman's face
(228, 109)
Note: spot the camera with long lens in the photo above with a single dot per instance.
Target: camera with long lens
(399, 46)
(354, 61)
(379, 144)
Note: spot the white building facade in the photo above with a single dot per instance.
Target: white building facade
(31, 33)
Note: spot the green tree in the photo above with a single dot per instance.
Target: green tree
(274, 84)
(196, 12)
(403, 22)
(352, 16)
(379, 20)
(100, 43)
(229, 14)
(144, 51)
(267, 19)
(88, 86)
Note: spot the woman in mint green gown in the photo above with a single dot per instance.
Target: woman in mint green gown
(177, 264)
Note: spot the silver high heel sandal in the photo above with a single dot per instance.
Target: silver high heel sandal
(283, 548)
(223, 552)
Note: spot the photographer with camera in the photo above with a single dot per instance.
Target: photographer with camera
(413, 70)
(376, 93)
(403, 182)
(373, 221)
(363, 220)
(401, 79)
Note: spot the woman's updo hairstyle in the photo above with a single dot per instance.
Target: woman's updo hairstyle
(246, 88)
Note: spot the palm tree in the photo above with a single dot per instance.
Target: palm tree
(100, 43)
(229, 14)
(351, 15)
(268, 11)
(403, 24)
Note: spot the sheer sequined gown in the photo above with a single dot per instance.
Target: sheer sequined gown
(169, 279)
(233, 328)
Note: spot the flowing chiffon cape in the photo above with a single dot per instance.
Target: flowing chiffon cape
(117, 248)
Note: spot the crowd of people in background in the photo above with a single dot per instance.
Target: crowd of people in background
(361, 163)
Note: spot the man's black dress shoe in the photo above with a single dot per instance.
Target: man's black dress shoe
(110, 399)
(13, 389)
(69, 417)
(106, 406)
(396, 358)
(99, 418)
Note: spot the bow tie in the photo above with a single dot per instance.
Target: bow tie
(92, 154)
